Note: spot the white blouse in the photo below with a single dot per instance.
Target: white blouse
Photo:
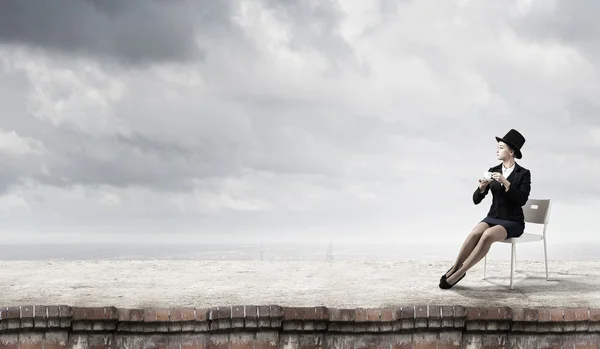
(507, 171)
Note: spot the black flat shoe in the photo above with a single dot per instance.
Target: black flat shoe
(444, 277)
(445, 285)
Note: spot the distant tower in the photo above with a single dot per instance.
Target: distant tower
(330, 253)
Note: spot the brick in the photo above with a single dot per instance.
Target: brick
(139, 315)
(80, 313)
(212, 313)
(335, 314)
(175, 341)
(193, 341)
(239, 340)
(124, 314)
(447, 311)
(53, 311)
(568, 341)
(556, 314)
(150, 315)
(544, 315)
(492, 313)
(460, 311)
(373, 314)
(569, 315)
(435, 312)
(582, 314)
(111, 313)
(65, 311)
(56, 340)
(387, 314)
(421, 312)
(13, 313)
(310, 313)
(27, 312)
(518, 314)
(360, 315)
(97, 313)
(365, 341)
(523, 341)
(237, 312)
(530, 314)
(595, 314)
(266, 340)
(9, 341)
(78, 340)
(311, 340)
(290, 313)
(303, 313)
(130, 341)
(202, 314)
(101, 341)
(188, 314)
(156, 342)
(251, 312)
(348, 315)
(449, 340)
(175, 315)
(473, 313)
(289, 340)
(162, 315)
(217, 341)
(264, 311)
(407, 312)
(425, 340)
(275, 310)
(505, 313)
(495, 341)
(31, 340)
(3, 313)
(321, 313)
(586, 341)
(336, 341)
(549, 341)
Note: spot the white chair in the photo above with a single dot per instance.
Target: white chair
(536, 212)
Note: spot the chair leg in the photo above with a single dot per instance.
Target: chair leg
(546, 258)
(515, 257)
(512, 261)
(484, 264)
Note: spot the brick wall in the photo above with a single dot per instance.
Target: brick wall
(273, 326)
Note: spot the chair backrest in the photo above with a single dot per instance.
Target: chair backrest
(537, 211)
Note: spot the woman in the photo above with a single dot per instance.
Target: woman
(510, 186)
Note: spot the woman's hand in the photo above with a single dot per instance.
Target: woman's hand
(499, 178)
(483, 183)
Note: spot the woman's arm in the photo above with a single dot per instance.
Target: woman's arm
(478, 196)
(520, 195)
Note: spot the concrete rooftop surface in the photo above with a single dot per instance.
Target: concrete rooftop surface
(339, 284)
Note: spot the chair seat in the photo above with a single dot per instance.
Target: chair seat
(526, 237)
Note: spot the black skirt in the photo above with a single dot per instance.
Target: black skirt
(513, 229)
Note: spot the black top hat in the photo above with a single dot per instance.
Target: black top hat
(515, 140)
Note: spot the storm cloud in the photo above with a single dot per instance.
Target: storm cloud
(131, 32)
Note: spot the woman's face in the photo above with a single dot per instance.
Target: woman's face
(503, 151)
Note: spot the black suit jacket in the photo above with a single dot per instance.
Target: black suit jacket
(507, 204)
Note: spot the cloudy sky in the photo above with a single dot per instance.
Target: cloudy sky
(190, 121)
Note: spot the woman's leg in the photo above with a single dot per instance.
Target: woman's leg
(490, 235)
(469, 244)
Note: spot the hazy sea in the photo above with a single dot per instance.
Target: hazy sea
(296, 251)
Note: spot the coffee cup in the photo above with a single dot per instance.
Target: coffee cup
(487, 175)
